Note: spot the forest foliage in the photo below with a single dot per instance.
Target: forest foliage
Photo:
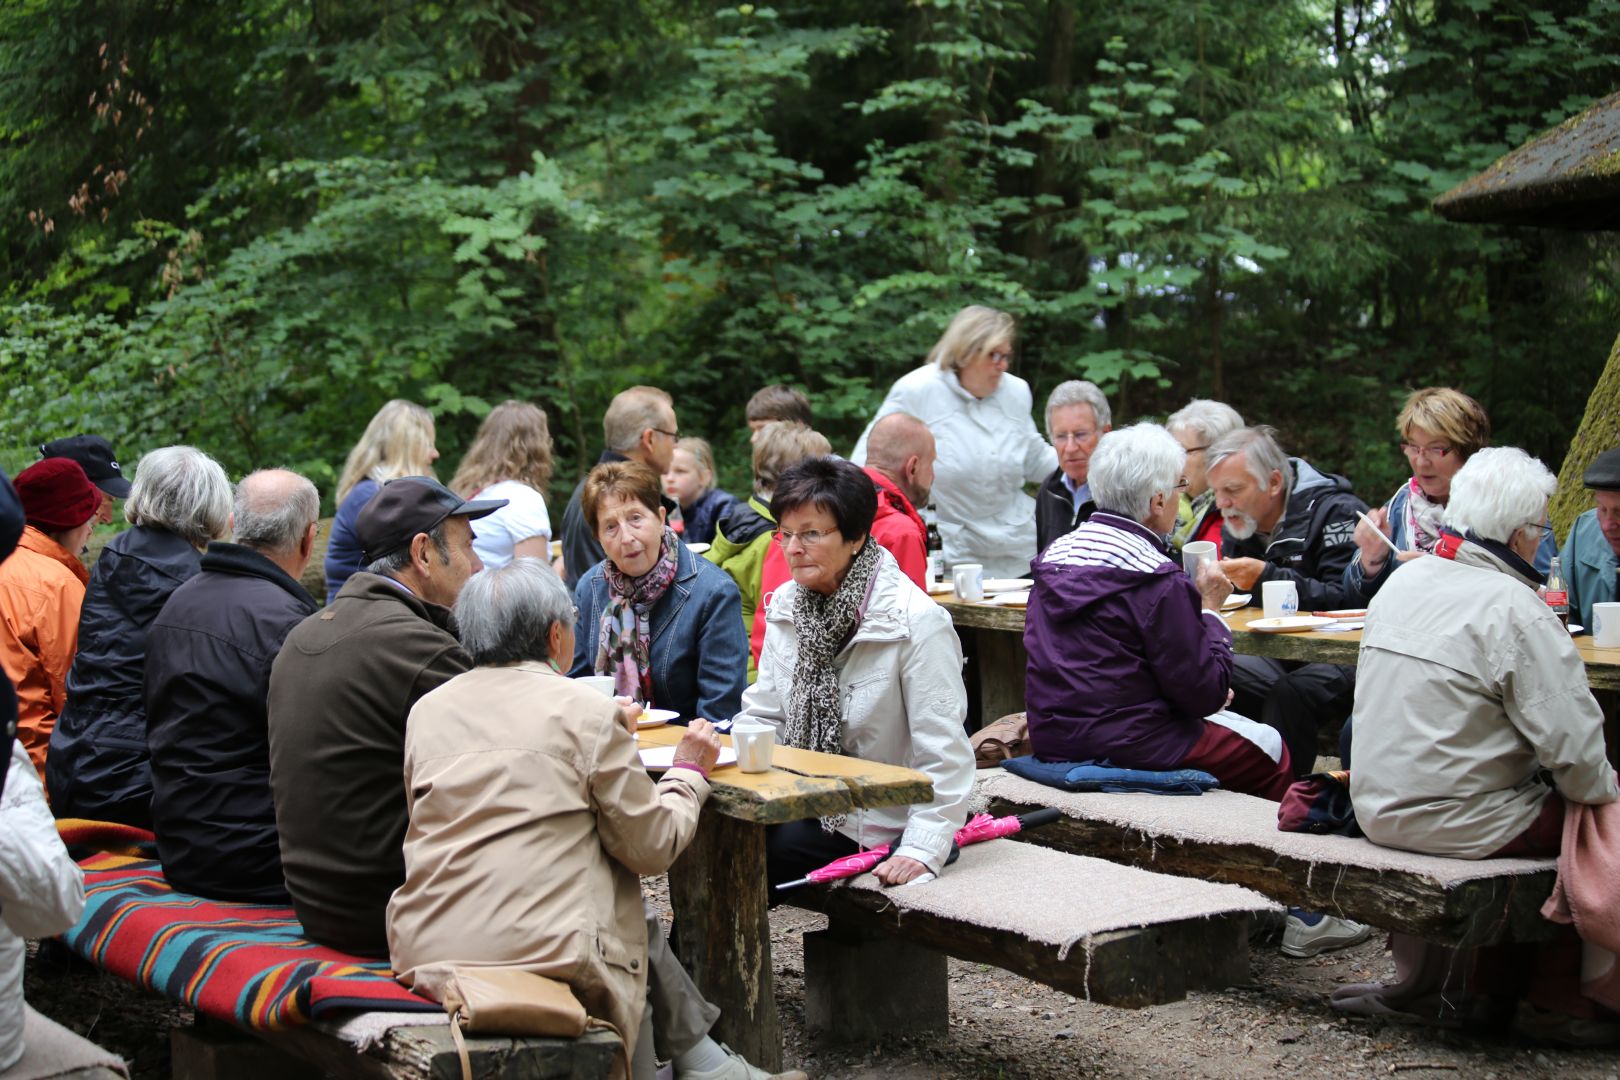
(246, 225)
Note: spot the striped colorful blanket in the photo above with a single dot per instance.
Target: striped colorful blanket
(83, 837)
(248, 964)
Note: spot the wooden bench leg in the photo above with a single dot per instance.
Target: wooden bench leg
(851, 979)
(214, 1051)
(723, 933)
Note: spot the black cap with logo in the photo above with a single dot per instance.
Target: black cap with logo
(411, 505)
(95, 455)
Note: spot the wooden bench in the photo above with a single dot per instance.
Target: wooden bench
(1227, 837)
(1103, 932)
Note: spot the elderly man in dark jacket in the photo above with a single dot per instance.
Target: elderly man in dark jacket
(208, 656)
(1129, 661)
(340, 691)
(1286, 521)
(1077, 416)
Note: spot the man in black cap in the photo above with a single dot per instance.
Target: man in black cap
(95, 455)
(340, 691)
(1591, 557)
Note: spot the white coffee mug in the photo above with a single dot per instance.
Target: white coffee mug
(1606, 625)
(1194, 553)
(968, 580)
(1281, 599)
(753, 742)
(602, 684)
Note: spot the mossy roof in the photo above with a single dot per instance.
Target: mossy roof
(1568, 178)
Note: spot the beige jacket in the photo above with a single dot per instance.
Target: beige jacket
(531, 819)
(1467, 687)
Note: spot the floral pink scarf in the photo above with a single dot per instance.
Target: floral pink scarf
(624, 640)
(1422, 519)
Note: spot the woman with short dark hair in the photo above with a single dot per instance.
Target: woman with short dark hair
(663, 622)
(859, 661)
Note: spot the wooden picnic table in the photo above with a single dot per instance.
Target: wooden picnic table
(1000, 667)
(717, 887)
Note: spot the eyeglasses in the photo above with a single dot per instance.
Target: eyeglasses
(1001, 356)
(672, 434)
(1196, 449)
(1541, 530)
(809, 538)
(1183, 484)
(1433, 453)
(1061, 437)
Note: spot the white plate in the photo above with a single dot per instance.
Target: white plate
(659, 758)
(940, 588)
(1576, 628)
(656, 717)
(1289, 624)
(1009, 599)
(1235, 601)
(698, 548)
(1004, 584)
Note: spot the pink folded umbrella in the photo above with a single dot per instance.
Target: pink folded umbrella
(979, 828)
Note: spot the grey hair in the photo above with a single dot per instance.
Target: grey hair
(1498, 491)
(1131, 466)
(183, 490)
(1079, 392)
(506, 615)
(274, 509)
(400, 557)
(1260, 450)
(632, 412)
(1207, 419)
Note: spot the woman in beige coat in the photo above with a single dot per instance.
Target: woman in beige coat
(532, 817)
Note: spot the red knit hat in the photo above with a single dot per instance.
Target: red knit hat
(56, 494)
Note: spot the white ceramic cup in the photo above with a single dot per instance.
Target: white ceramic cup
(753, 742)
(1194, 553)
(602, 684)
(1281, 598)
(968, 580)
(1605, 626)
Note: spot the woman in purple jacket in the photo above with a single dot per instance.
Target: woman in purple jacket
(1129, 661)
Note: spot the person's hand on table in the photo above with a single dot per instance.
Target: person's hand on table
(629, 713)
(1374, 552)
(1242, 572)
(1213, 586)
(899, 870)
(700, 746)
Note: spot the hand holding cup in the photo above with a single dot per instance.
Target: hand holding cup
(700, 746)
(1213, 585)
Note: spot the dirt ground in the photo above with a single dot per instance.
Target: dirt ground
(1278, 1024)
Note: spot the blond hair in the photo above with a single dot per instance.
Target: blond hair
(1450, 414)
(974, 329)
(781, 444)
(398, 442)
(513, 443)
(703, 455)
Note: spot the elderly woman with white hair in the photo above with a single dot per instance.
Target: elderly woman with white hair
(98, 766)
(1196, 426)
(1476, 731)
(1077, 416)
(986, 439)
(1129, 660)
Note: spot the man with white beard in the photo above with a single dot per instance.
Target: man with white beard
(1285, 520)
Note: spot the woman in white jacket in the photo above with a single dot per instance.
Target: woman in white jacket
(988, 445)
(859, 661)
(41, 889)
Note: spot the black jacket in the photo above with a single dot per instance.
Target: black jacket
(1312, 544)
(208, 658)
(1055, 514)
(97, 766)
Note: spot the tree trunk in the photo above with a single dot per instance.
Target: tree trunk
(1599, 431)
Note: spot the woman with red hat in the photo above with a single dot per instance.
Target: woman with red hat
(41, 590)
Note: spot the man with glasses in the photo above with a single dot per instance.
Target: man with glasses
(1077, 416)
(639, 425)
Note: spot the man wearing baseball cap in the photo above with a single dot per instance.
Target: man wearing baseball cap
(95, 456)
(1591, 557)
(41, 591)
(340, 691)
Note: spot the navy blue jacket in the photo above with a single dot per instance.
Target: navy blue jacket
(208, 660)
(97, 765)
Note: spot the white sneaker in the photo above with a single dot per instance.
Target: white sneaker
(1301, 940)
(736, 1068)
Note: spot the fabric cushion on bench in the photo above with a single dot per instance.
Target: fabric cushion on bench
(51, 1050)
(247, 964)
(83, 837)
(1101, 776)
(1227, 836)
